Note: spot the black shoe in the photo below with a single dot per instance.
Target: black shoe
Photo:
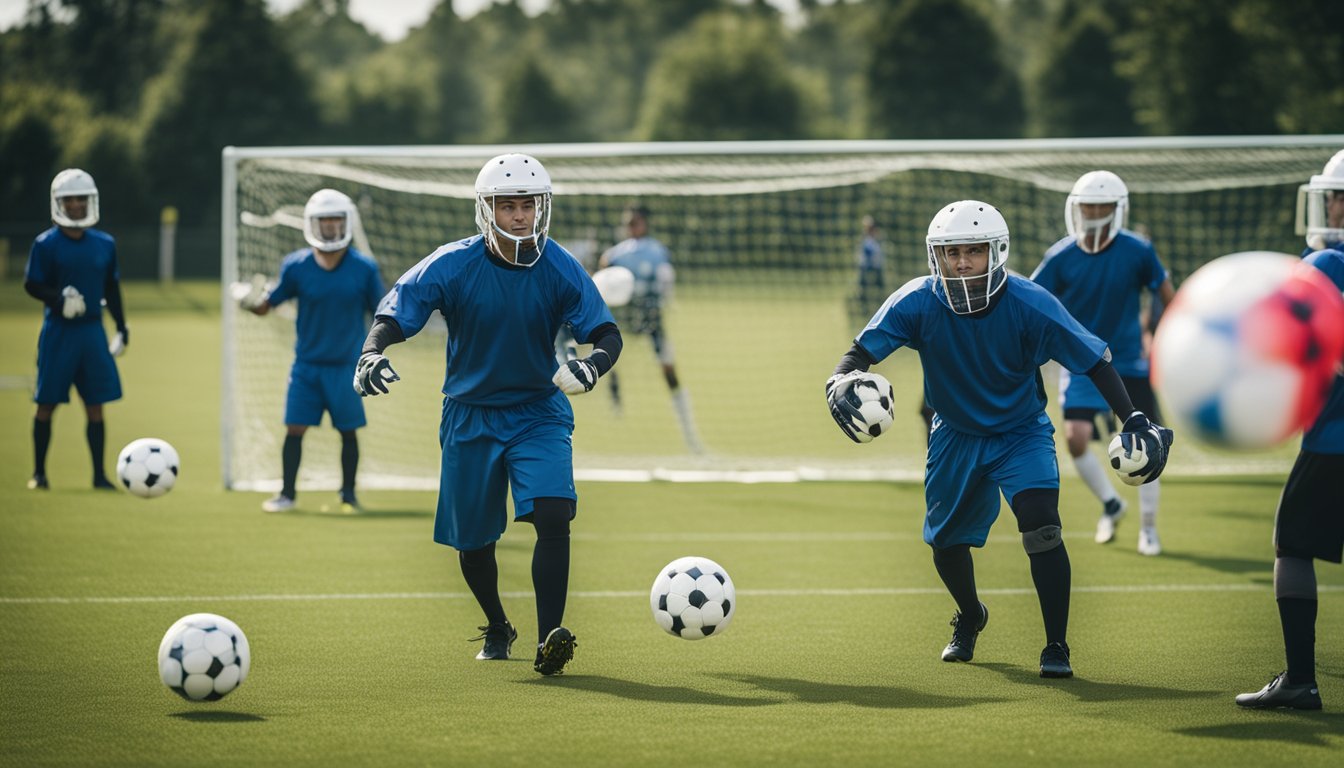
(962, 647)
(101, 483)
(1055, 661)
(498, 641)
(350, 504)
(38, 482)
(555, 653)
(1281, 693)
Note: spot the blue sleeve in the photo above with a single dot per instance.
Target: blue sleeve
(288, 287)
(896, 323)
(1154, 273)
(585, 310)
(416, 295)
(1062, 338)
(1045, 274)
(39, 268)
(1331, 262)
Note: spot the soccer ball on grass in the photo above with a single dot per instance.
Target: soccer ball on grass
(203, 657)
(693, 598)
(148, 467)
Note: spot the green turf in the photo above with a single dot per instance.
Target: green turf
(358, 625)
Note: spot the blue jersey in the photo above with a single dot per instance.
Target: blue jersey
(57, 260)
(1102, 291)
(1327, 433)
(502, 318)
(334, 305)
(982, 373)
(1338, 245)
(870, 254)
(645, 257)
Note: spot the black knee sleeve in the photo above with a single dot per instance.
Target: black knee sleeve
(551, 516)
(476, 557)
(1037, 512)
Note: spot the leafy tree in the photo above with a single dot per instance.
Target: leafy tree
(531, 107)
(1077, 91)
(1302, 44)
(110, 51)
(36, 125)
(936, 73)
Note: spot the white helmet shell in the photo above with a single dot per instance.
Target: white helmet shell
(329, 204)
(73, 182)
(963, 222)
(1096, 188)
(514, 175)
(1313, 202)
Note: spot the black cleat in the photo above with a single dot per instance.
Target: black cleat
(555, 653)
(1281, 693)
(962, 647)
(498, 641)
(101, 483)
(1055, 661)
(38, 482)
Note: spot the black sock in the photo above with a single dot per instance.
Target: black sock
(550, 562)
(1052, 575)
(957, 571)
(614, 386)
(349, 461)
(41, 442)
(96, 433)
(482, 574)
(290, 455)
(1298, 617)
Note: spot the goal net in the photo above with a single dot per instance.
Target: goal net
(764, 238)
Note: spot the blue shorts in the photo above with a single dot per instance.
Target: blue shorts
(75, 353)
(966, 473)
(488, 451)
(316, 388)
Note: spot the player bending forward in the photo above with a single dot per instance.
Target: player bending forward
(982, 336)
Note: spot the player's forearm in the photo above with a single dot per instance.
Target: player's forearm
(1108, 382)
(384, 333)
(43, 293)
(856, 359)
(607, 344)
(112, 292)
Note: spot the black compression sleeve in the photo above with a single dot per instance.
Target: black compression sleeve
(1108, 382)
(856, 359)
(43, 293)
(112, 292)
(384, 333)
(607, 343)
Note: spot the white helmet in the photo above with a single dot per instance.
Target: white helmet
(959, 223)
(514, 175)
(72, 182)
(1313, 216)
(1096, 187)
(329, 204)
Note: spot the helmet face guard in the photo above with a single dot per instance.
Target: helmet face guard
(72, 182)
(329, 221)
(1104, 188)
(968, 222)
(514, 175)
(1317, 199)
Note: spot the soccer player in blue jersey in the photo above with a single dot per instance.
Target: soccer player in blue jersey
(506, 423)
(72, 269)
(1098, 273)
(337, 288)
(1320, 208)
(648, 259)
(982, 335)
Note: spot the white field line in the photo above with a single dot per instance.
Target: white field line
(631, 594)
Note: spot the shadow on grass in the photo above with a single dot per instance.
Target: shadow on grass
(664, 694)
(1091, 690)
(218, 716)
(876, 696)
(1238, 565)
(1288, 726)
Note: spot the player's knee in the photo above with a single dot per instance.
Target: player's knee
(295, 430)
(1295, 578)
(471, 558)
(1042, 539)
(348, 437)
(551, 516)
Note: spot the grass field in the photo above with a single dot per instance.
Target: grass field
(358, 625)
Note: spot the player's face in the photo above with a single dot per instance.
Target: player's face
(965, 259)
(75, 208)
(331, 227)
(1334, 208)
(636, 225)
(516, 215)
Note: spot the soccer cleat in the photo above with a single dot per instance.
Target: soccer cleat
(555, 653)
(1149, 543)
(101, 483)
(278, 503)
(1110, 515)
(38, 482)
(498, 641)
(1281, 693)
(962, 647)
(350, 504)
(1055, 661)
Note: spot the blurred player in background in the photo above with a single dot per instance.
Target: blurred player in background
(648, 259)
(982, 335)
(870, 288)
(338, 289)
(1310, 521)
(72, 269)
(1320, 208)
(1099, 272)
(506, 422)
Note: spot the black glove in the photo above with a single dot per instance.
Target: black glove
(372, 374)
(1139, 453)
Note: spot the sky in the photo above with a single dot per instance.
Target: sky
(391, 19)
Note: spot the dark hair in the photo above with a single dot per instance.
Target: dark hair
(637, 209)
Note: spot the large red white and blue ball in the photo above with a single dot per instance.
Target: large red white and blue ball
(875, 401)
(693, 598)
(1247, 352)
(204, 657)
(148, 467)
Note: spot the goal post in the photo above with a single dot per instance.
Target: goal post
(763, 236)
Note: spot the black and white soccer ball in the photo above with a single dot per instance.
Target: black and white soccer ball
(203, 657)
(693, 598)
(871, 402)
(148, 467)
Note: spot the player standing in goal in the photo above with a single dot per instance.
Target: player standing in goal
(506, 423)
(72, 269)
(982, 335)
(337, 288)
(647, 258)
(1098, 272)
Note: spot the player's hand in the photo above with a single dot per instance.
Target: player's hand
(1139, 453)
(837, 388)
(72, 303)
(118, 344)
(576, 377)
(373, 373)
